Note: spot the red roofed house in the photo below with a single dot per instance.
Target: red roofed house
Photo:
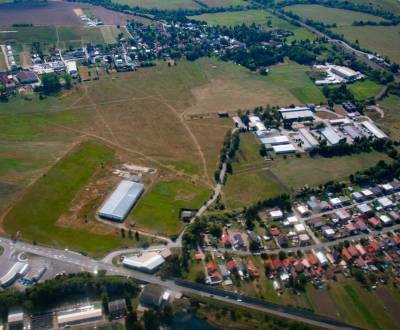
(225, 239)
(253, 270)
(313, 260)
(374, 222)
(372, 247)
(353, 251)
(346, 254)
(231, 264)
(361, 225)
(360, 249)
(276, 263)
(396, 240)
(275, 231)
(359, 262)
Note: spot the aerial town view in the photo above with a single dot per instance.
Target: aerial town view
(200, 164)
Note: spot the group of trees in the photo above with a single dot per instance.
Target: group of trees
(52, 292)
(227, 153)
(283, 202)
(381, 172)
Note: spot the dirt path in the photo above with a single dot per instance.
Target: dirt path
(193, 137)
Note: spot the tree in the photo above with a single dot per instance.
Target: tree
(137, 235)
(104, 301)
(151, 321)
(200, 277)
(68, 81)
(51, 83)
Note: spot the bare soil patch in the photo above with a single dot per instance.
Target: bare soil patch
(324, 303)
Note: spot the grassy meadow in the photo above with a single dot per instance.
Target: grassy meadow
(181, 4)
(261, 17)
(365, 89)
(391, 122)
(158, 210)
(327, 15)
(384, 40)
(35, 215)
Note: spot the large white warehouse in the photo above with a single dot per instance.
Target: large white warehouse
(121, 201)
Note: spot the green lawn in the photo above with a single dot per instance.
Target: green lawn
(261, 17)
(296, 172)
(384, 40)
(36, 213)
(391, 122)
(158, 210)
(365, 89)
(327, 15)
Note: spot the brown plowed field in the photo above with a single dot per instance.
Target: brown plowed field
(55, 13)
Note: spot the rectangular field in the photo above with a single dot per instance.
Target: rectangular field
(365, 89)
(35, 215)
(181, 4)
(392, 6)
(158, 211)
(384, 40)
(261, 17)
(327, 15)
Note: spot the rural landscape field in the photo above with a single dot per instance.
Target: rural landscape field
(205, 164)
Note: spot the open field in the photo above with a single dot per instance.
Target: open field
(365, 89)
(380, 39)
(34, 216)
(258, 17)
(181, 4)
(158, 210)
(296, 172)
(62, 36)
(3, 64)
(327, 15)
(56, 13)
(392, 6)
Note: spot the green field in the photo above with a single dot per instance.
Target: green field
(181, 4)
(391, 122)
(36, 213)
(365, 89)
(158, 210)
(384, 40)
(296, 172)
(47, 36)
(261, 17)
(327, 15)
(392, 6)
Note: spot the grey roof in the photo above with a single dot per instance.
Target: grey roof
(118, 205)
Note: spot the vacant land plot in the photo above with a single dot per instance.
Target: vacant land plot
(380, 39)
(3, 64)
(296, 172)
(78, 36)
(36, 213)
(365, 89)
(261, 17)
(327, 15)
(158, 211)
(110, 34)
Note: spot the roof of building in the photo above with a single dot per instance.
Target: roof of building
(15, 315)
(297, 114)
(118, 205)
(330, 135)
(117, 305)
(374, 130)
(27, 77)
(305, 133)
(152, 295)
(272, 140)
(284, 148)
(148, 261)
(79, 316)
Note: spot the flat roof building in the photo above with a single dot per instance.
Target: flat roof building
(147, 261)
(121, 201)
(275, 140)
(284, 149)
(308, 137)
(330, 135)
(345, 72)
(79, 317)
(375, 131)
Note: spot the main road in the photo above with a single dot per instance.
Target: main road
(94, 266)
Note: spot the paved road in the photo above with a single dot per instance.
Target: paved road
(94, 266)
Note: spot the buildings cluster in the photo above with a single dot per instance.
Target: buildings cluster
(21, 271)
(304, 128)
(336, 74)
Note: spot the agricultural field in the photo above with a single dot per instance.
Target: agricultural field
(62, 37)
(328, 15)
(181, 4)
(35, 214)
(365, 89)
(379, 39)
(261, 17)
(391, 121)
(392, 6)
(159, 209)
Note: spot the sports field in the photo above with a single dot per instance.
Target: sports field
(261, 17)
(181, 4)
(327, 15)
(35, 215)
(384, 40)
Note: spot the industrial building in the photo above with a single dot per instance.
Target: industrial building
(296, 114)
(284, 149)
(15, 319)
(375, 131)
(79, 316)
(17, 270)
(275, 140)
(147, 262)
(309, 140)
(330, 135)
(345, 72)
(121, 201)
(72, 69)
